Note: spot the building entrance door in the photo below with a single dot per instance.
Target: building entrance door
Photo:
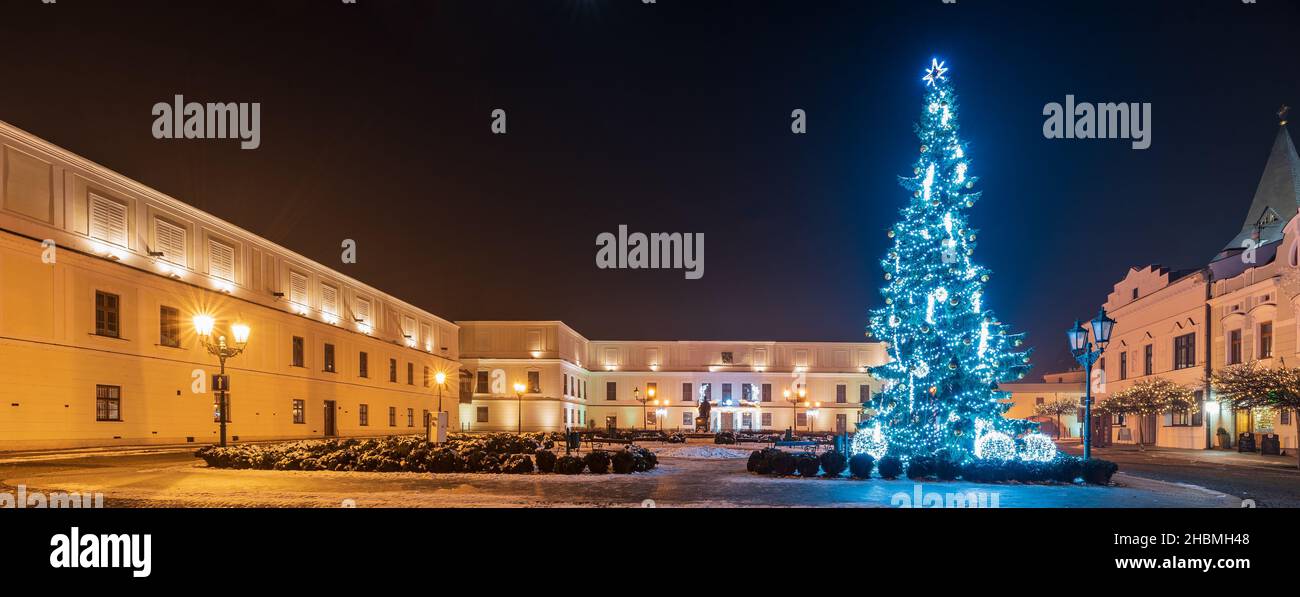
(841, 423)
(728, 421)
(1149, 429)
(330, 410)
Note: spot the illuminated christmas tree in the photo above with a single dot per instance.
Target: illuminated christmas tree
(947, 351)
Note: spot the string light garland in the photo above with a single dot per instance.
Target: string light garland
(1038, 448)
(947, 351)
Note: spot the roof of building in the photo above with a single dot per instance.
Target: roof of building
(1276, 198)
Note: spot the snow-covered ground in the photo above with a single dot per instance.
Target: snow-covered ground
(699, 452)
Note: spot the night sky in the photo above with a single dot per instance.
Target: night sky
(674, 116)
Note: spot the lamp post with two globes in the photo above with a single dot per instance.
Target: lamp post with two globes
(219, 348)
(1088, 353)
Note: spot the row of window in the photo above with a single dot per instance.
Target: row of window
(108, 322)
(1185, 351)
(108, 407)
(749, 392)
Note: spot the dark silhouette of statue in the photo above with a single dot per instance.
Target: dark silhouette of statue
(702, 423)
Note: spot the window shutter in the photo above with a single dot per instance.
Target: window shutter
(329, 299)
(107, 220)
(298, 289)
(170, 239)
(221, 260)
(362, 310)
(426, 332)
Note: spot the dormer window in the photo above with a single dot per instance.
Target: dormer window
(1268, 218)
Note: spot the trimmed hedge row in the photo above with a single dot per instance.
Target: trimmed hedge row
(493, 453)
(1064, 469)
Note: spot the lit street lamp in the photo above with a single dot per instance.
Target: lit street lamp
(636, 395)
(1084, 352)
(203, 325)
(519, 397)
(794, 405)
(661, 413)
(812, 415)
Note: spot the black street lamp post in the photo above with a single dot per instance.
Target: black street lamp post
(1086, 354)
(219, 348)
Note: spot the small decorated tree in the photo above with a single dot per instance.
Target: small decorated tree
(1148, 397)
(1250, 386)
(1055, 409)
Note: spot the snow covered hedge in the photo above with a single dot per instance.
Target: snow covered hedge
(1062, 469)
(490, 453)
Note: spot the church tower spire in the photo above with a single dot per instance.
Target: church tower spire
(1277, 197)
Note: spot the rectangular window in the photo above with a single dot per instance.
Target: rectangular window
(650, 419)
(1198, 417)
(169, 239)
(363, 365)
(392, 370)
(747, 420)
(298, 290)
(726, 393)
(364, 415)
(427, 378)
(1285, 417)
(298, 357)
(564, 383)
(1123, 365)
(392, 416)
(747, 392)
(841, 393)
(1185, 351)
(611, 390)
(169, 326)
(480, 382)
(534, 382)
(728, 358)
(801, 420)
(767, 392)
(1148, 359)
(767, 419)
(864, 393)
(108, 220)
(410, 373)
(221, 260)
(410, 417)
(706, 391)
(582, 390)
(216, 408)
(482, 414)
(687, 396)
(329, 358)
(107, 316)
(108, 403)
(1266, 340)
(652, 390)
(299, 412)
(688, 418)
(1234, 347)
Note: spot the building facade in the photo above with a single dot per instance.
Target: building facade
(1024, 397)
(101, 279)
(1185, 325)
(572, 382)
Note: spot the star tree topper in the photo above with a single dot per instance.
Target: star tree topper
(934, 74)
